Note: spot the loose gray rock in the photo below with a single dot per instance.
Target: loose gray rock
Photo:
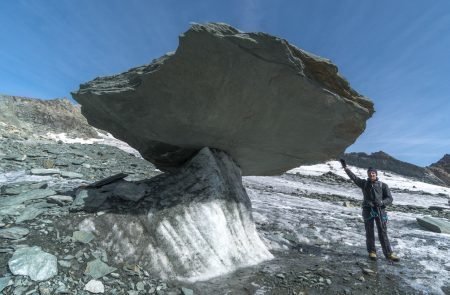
(39, 171)
(71, 175)
(65, 263)
(19, 158)
(94, 286)
(26, 196)
(13, 233)
(438, 208)
(20, 290)
(5, 282)
(29, 213)
(97, 269)
(108, 180)
(60, 199)
(434, 224)
(83, 236)
(11, 210)
(186, 291)
(129, 191)
(140, 286)
(89, 200)
(368, 271)
(44, 290)
(270, 105)
(33, 262)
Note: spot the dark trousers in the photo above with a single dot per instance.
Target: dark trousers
(381, 222)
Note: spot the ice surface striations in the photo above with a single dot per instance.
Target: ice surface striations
(193, 225)
(270, 105)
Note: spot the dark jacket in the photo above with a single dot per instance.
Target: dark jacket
(377, 192)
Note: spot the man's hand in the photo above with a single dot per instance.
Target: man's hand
(379, 203)
(343, 163)
(371, 204)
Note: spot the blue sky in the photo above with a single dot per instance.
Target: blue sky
(397, 53)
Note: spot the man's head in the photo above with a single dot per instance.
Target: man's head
(372, 174)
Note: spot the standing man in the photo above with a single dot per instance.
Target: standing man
(376, 197)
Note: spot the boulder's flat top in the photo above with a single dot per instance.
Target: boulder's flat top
(268, 104)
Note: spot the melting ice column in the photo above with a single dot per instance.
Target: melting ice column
(194, 224)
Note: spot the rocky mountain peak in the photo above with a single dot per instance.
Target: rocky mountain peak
(442, 169)
(382, 155)
(443, 163)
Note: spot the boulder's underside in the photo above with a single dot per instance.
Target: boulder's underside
(268, 104)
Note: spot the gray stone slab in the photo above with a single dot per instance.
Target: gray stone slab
(13, 233)
(33, 262)
(39, 171)
(435, 224)
(71, 175)
(89, 200)
(186, 291)
(82, 236)
(13, 210)
(97, 269)
(65, 263)
(108, 180)
(26, 196)
(15, 157)
(29, 213)
(60, 199)
(128, 190)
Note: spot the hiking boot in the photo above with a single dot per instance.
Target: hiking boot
(373, 255)
(393, 257)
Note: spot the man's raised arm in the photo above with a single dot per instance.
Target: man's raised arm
(358, 181)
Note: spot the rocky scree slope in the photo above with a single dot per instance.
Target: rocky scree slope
(26, 117)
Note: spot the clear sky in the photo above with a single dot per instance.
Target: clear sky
(397, 53)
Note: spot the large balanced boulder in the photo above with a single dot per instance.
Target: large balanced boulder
(267, 103)
(193, 224)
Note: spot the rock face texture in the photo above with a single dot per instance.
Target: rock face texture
(193, 225)
(270, 105)
(383, 161)
(442, 169)
(26, 117)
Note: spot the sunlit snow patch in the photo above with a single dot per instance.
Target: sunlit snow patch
(105, 138)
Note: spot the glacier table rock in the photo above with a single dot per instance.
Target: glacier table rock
(270, 105)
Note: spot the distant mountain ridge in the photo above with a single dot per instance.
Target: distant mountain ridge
(23, 116)
(437, 173)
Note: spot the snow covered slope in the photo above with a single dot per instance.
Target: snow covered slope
(293, 205)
